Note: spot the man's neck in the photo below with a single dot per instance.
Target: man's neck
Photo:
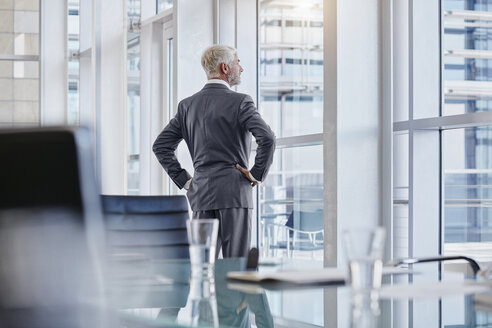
(219, 78)
(219, 81)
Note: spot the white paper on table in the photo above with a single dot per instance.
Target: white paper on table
(300, 277)
(431, 290)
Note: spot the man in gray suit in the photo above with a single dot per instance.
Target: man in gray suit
(217, 124)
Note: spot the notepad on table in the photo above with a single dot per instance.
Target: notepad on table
(302, 277)
(329, 275)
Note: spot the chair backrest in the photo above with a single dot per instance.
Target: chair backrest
(305, 221)
(50, 217)
(153, 226)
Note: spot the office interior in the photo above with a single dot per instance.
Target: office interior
(380, 109)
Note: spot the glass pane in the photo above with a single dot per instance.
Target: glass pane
(133, 9)
(466, 56)
(19, 93)
(467, 169)
(291, 204)
(133, 176)
(19, 27)
(26, 69)
(133, 101)
(163, 5)
(73, 30)
(291, 66)
(400, 195)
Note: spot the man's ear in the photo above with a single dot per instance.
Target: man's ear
(224, 68)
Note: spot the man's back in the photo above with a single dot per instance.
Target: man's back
(211, 128)
(216, 124)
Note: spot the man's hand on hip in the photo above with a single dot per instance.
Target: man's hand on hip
(247, 175)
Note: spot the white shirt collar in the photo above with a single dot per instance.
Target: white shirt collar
(218, 81)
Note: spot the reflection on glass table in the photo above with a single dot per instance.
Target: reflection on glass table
(159, 294)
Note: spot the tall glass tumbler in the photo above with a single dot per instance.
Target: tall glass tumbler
(202, 236)
(364, 248)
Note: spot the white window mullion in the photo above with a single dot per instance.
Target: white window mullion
(111, 91)
(53, 78)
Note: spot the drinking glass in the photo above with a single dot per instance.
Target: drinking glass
(364, 248)
(202, 236)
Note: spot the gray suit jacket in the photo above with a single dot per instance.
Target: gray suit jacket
(217, 124)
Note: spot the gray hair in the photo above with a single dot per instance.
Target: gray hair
(215, 55)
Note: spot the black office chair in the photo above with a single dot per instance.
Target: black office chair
(152, 226)
(50, 229)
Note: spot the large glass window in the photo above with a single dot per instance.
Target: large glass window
(466, 152)
(291, 101)
(19, 63)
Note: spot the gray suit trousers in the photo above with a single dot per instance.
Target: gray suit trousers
(234, 235)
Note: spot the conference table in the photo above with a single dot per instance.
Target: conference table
(160, 293)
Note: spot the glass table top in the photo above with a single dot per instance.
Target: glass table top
(161, 293)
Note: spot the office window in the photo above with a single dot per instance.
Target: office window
(400, 194)
(163, 5)
(73, 46)
(466, 152)
(290, 61)
(291, 66)
(133, 100)
(441, 151)
(467, 175)
(292, 202)
(19, 63)
(467, 56)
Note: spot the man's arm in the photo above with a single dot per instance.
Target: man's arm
(251, 120)
(164, 149)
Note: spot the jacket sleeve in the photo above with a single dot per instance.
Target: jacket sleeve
(251, 120)
(164, 149)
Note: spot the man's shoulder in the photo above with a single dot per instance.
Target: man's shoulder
(243, 96)
(187, 100)
(226, 93)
